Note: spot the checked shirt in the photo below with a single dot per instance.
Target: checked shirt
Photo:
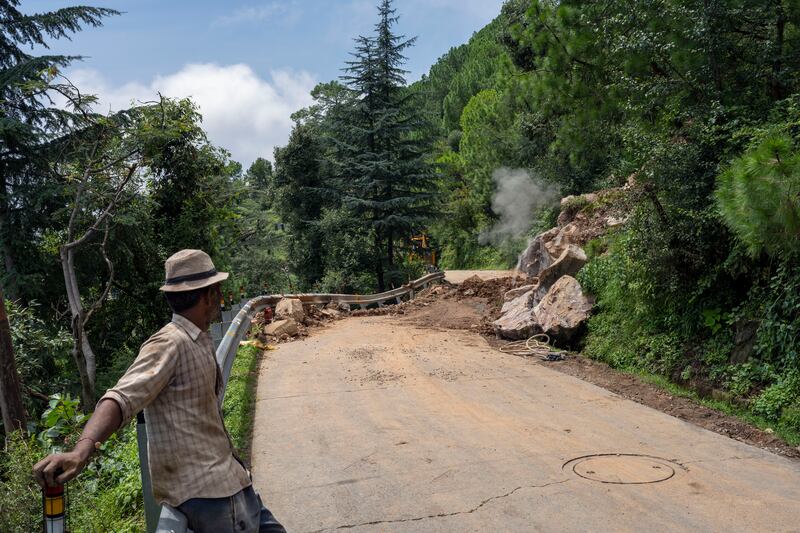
(176, 380)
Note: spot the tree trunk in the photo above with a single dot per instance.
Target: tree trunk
(8, 262)
(390, 253)
(776, 90)
(14, 416)
(712, 27)
(82, 351)
(379, 262)
(8, 259)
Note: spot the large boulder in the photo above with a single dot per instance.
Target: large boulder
(278, 328)
(536, 258)
(519, 291)
(517, 320)
(565, 237)
(563, 311)
(290, 308)
(568, 263)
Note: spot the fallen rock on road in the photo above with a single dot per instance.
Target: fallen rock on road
(290, 308)
(518, 320)
(563, 311)
(278, 328)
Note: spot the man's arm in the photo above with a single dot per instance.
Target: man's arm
(143, 381)
(57, 469)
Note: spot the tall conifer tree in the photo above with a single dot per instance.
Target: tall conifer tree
(380, 157)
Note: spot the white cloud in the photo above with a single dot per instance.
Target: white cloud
(242, 112)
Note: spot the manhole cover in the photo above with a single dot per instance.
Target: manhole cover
(622, 469)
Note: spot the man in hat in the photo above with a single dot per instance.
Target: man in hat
(176, 381)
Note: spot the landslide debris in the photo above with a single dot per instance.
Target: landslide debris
(292, 319)
(555, 303)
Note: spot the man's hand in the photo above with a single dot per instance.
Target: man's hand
(59, 468)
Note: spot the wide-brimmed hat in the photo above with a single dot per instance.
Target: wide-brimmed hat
(190, 269)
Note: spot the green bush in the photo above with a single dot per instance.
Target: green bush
(41, 350)
(779, 332)
(742, 379)
(624, 330)
(791, 417)
(783, 394)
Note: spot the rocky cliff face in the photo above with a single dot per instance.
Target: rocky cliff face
(555, 304)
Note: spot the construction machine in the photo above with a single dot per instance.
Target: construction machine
(422, 249)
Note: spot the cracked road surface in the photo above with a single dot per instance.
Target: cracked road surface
(376, 425)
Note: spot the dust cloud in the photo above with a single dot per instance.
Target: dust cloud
(517, 196)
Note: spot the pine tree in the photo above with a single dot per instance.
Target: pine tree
(380, 158)
(758, 197)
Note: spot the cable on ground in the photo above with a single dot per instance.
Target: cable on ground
(535, 346)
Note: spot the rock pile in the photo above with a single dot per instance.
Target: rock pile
(292, 319)
(555, 303)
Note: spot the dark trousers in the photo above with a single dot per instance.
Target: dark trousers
(242, 512)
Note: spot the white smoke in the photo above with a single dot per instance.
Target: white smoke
(517, 196)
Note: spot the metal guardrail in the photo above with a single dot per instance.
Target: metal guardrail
(168, 520)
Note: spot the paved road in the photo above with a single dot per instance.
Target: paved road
(372, 425)
(458, 276)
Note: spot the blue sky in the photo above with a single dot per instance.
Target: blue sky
(248, 64)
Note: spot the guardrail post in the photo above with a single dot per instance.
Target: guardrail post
(151, 509)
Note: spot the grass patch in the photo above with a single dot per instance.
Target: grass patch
(787, 433)
(240, 399)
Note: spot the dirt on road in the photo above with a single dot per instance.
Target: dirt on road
(473, 305)
(474, 302)
(398, 423)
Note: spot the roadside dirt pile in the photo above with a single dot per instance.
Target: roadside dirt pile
(471, 305)
(492, 289)
(554, 302)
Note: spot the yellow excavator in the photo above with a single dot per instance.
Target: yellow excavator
(422, 249)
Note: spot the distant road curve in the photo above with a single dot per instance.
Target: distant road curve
(458, 276)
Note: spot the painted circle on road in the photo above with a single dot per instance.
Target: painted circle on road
(622, 469)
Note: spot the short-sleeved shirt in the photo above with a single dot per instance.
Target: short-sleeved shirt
(176, 380)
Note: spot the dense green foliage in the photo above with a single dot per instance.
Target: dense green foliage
(698, 104)
(758, 195)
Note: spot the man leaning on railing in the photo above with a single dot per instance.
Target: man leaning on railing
(176, 380)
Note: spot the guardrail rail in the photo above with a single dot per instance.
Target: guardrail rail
(235, 325)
